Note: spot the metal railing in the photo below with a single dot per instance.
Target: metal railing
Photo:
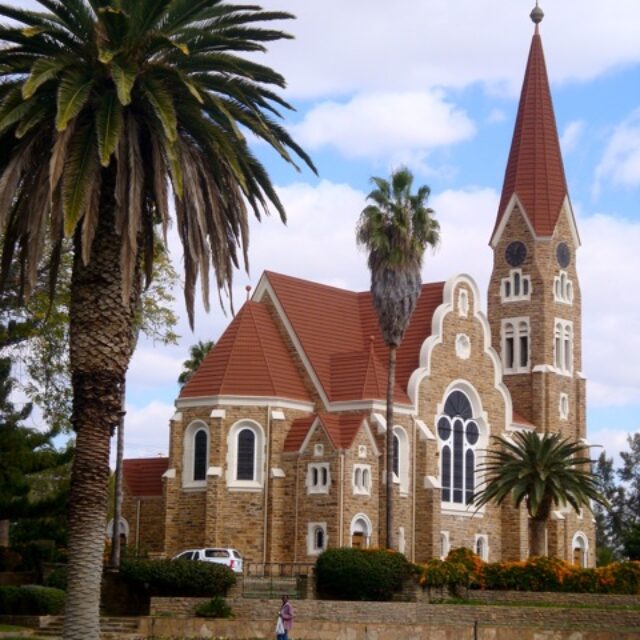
(278, 569)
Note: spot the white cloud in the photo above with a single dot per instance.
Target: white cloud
(496, 115)
(343, 48)
(146, 430)
(608, 267)
(621, 159)
(571, 136)
(153, 367)
(379, 124)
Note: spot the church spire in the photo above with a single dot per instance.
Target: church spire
(535, 172)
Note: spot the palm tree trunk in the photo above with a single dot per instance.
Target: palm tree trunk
(100, 348)
(538, 545)
(389, 446)
(117, 493)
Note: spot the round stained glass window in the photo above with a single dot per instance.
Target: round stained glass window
(444, 428)
(473, 433)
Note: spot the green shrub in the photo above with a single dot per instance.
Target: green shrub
(361, 574)
(214, 608)
(57, 578)
(620, 577)
(179, 577)
(31, 601)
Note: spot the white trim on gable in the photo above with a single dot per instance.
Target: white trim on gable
(436, 338)
(495, 238)
(312, 428)
(565, 208)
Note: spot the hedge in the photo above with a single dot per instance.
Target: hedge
(179, 577)
(361, 574)
(463, 569)
(214, 608)
(31, 601)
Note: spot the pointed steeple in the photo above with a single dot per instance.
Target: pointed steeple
(535, 172)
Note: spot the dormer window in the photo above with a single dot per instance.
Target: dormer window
(515, 287)
(563, 288)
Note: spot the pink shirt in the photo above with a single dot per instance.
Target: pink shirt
(286, 611)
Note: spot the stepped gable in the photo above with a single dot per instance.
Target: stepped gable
(143, 476)
(535, 172)
(340, 335)
(250, 359)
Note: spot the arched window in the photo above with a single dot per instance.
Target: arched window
(245, 465)
(515, 287)
(361, 531)
(563, 344)
(396, 455)
(580, 548)
(245, 455)
(400, 465)
(200, 455)
(563, 288)
(316, 538)
(195, 459)
(444, 544)
(515, 345)
(482, 547)
(459, 433)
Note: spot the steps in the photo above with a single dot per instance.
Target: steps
(110, 628)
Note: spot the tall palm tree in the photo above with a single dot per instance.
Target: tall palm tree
(543, 470)
(197, 352)
(109, 109)
(395, 229)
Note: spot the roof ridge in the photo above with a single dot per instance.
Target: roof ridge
(262, 350)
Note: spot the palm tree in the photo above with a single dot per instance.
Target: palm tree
(107, 109)
(396, 230)
(197, 352)
(543, 470)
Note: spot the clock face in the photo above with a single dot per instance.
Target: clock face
(515, 253)
(563, 254)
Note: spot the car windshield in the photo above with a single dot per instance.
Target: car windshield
(187, 555)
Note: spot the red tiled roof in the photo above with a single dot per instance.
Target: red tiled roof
(298, 432)
(250, 359)
(143, 476)
(339, 333)
(534, 170)
(519, 419)
(341, 428)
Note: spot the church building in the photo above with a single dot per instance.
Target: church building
(277, 443)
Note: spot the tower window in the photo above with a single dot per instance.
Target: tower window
(563, 343)
(515, 345)
(563, 288)
(515, 287)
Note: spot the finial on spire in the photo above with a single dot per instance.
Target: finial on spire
(248, 290)
(536, 15)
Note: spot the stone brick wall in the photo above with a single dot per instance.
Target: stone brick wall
(310, 615)
(149, 512)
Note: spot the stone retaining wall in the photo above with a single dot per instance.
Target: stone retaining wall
(162, 628)
(417, 613)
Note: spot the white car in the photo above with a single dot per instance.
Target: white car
(229, 557)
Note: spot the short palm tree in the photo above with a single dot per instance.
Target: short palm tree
(396, 228)
(543, 470)
(197, 353)
(109, 109)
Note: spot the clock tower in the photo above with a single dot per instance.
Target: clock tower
(534, 302)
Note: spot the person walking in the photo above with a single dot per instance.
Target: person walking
(286, 615)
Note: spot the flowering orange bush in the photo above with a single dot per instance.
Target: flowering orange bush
(463, 568)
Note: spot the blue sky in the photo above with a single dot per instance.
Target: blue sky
(434, 85)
